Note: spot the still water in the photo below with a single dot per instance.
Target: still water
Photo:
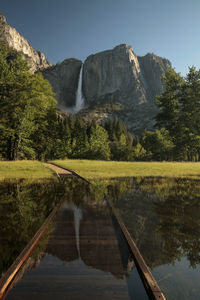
(80, 256)
(163, 217)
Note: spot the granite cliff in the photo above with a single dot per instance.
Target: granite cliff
(119, 84)
(63, 78)
(13, 39)
(115, 83)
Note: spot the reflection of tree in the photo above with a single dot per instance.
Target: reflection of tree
(162, 216)
(135, 207)
(179, 222)
(24, 205)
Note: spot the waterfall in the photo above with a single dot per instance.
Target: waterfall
(77, 219)
(79, 95)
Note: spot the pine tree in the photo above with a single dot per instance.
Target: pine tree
(24, 102)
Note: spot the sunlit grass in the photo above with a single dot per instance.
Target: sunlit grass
(100, 169)
(24, 169)
(106, 169)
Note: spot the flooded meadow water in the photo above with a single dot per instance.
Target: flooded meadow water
(81, 254)
(162, 216)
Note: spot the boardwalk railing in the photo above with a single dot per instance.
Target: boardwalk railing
(146, 276)
(9, 277)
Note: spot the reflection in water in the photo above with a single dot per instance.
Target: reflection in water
(77, 218)
(82, 256)
(24, 205)
(162, 216)
(82, 259)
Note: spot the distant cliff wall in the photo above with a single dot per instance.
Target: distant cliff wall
(120, 75)
(116, 83)
(64, 81)
(119, 84)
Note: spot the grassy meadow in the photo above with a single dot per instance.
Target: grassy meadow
(24, 169)
(106, 169)
(100, 169)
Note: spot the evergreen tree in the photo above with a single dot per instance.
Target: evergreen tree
(180, 113)
(158, 144)
(24, 102)
(169, 102)
(189, 140)
(99, 144)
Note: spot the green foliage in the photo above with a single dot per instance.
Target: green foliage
(180, 113)
(139, 153)
(121, 141)
(158, 143)
(169, 101)
(25, 100)
(98, 144)
(32, 128)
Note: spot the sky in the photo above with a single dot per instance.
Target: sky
(77, 28)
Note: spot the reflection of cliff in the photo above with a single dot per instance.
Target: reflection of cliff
(63, 242)
(96, 242)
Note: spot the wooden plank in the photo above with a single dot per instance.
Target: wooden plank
(150, 283)
(9, 276)
(59, 171)
(71, 171)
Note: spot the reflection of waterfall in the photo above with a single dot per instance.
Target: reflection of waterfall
(77, 219)
(79, 94)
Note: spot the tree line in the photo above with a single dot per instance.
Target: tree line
(31, 127)
(177, 136)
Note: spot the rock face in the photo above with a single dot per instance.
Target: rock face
(10, 37)
(124, 85)
(64, 81)
(119, 74)
(116, 83)
(113, 74)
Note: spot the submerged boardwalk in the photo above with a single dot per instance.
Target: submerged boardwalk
(82, 253)
(79, 260)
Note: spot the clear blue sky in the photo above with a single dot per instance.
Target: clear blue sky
(78, 28)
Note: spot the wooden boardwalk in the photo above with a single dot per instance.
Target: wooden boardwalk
(61, 172)
(81, 261)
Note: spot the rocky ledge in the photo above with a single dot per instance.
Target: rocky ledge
(13, 39)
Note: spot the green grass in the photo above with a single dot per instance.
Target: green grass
(100, 169)
(106, 169)
(24, 169)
